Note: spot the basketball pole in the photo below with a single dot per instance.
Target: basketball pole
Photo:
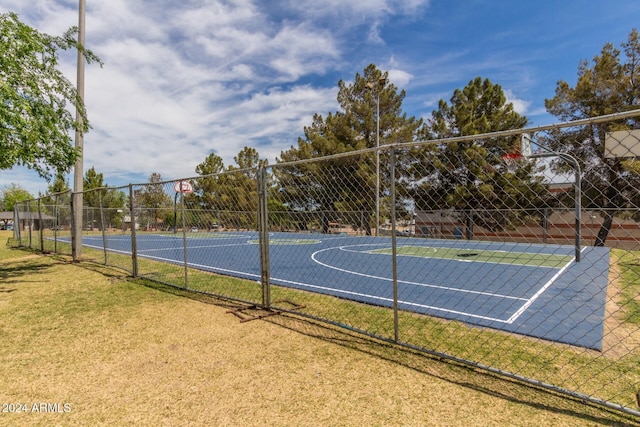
(78, 173)
(381, 82)
(527, 153)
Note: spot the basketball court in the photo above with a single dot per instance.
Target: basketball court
(530, 289)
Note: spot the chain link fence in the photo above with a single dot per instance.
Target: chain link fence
(462, 248)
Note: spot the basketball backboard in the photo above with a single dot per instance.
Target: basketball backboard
(525, 145)
(622, 144)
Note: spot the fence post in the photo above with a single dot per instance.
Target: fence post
(394, 258)
(76, 225)
(578, 209)
(40, 231)
(72, 205)
(30, 216)
(545, 224)
(16, 224)
(102, 222)
(573, 162)
(132, 224)
(184, 239)
(469, 225)
(263, 232)
(56, 223)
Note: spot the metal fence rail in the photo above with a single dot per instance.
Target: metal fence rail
(528, 269)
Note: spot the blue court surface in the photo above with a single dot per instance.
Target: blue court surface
(530, 289)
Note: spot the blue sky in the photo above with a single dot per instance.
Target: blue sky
(186, 78)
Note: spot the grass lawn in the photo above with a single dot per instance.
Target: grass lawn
(91, 346)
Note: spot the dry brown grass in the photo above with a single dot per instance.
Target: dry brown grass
(619, 338)
(121, 352)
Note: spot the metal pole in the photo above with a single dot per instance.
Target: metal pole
(16, 224)
(175, 212)
(132, 224)
(56, 223)
(78, 170)
(577, 190)
(40, 225)
(30, 215)
(578, 204)
(394, 257)
(102, 224)
(381, 82)
(263, 233)
(545, 225)
(377, 161)
(184, 239)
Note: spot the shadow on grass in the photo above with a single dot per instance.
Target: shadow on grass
(422, 363)
(115, 274)
(456, 373)
(13, 270)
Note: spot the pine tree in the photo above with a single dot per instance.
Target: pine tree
(609, 84)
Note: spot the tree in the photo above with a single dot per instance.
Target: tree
(240, 186)
(226, 195)
(153, 202)
(101, 201)
(203, 199)
(91, 183)
(345, 187)
(247, 158)
(205, 186)
(12, 194)
(113, 203)
(35, 96)
(58, 192)
(57, 202)
(470, 175)
(608, 85)
(59, 185)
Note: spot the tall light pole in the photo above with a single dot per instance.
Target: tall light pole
(76, 247)
(381, 82)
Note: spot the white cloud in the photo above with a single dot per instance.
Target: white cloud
(374, 34)
(398, 76)
(359, 10)
(183, 79)
(24, 178)
(299, 51)
(210, 17)
(161, 106)
(342, 15)
(520, 106)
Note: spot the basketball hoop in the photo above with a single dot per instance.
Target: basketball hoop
(511, 160)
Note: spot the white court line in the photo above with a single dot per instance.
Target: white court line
(389, 300)
(155, 237)
(426, 285)
(546, 286)
(179, 262)
(181, 247)
(108, 249)
(513, 318)
(324, 288)
(332, 291)
(203, 266)
(435, 256)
